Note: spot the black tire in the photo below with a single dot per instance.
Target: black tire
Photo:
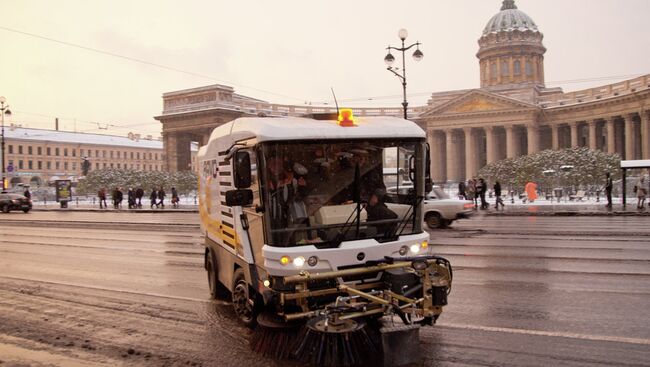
(245, 307)
(217, 290)
(434, 220)
(25, 211)
(5, 208)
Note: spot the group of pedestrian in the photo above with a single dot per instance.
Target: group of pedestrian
(476, 189)
(134, 197)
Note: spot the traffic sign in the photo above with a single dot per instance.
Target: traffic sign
(10, 168)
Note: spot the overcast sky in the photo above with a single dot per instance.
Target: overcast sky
(284, 51)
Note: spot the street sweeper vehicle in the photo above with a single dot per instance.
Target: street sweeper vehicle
(326, 265)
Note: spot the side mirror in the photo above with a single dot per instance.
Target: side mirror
(412, 168)
(239, 197)
(242, 169)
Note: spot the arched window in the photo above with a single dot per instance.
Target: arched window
(517, 67)
(529, 68)
(505, 68)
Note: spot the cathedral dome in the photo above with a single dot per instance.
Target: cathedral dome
(509, 19)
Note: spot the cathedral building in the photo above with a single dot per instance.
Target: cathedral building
(512, 113)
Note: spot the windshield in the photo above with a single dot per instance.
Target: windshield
(326, 192)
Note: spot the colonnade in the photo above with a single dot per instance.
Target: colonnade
(459, 152)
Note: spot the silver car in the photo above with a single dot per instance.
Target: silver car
(440, 210)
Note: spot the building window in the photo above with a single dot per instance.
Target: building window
(493, 70)
(529, 68)
(65, 152)
(119, 166)
(103, 154)
(39, 164)
(505, 68)
(20, 149)
(150, 156)
(49, 165)
(11, 149)
(30, 165)
(74, 152)
(20, 164)
(74, 166)
(118, 154)
(96, 165)
(111, 154)
(29, 150)
(156, 155)
(517, 67)
(56, 151)
(65, 166)
(150, 168)
(57, 165)
(111, 165)
(97, 153)
(39, 150)
(131, 155)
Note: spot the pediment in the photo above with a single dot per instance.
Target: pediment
(478, 101)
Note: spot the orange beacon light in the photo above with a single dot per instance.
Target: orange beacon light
(346, 118)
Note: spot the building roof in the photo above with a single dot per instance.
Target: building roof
(79, 138)
(510, 19)
(296, 128)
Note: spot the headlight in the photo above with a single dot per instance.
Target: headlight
(299, 262)
(415, 248)
(284, 260)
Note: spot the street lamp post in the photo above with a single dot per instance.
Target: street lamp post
(390, 59)
(4, 110)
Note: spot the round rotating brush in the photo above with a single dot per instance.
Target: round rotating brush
(324, 342)
(273, 337)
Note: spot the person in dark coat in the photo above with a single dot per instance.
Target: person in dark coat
(118, 196)
(101, 194)
(378, 210)
(154, 197)
(608, 189)
(175, 199)
(161, 198)
(139, 193)
(481, 189)
(131, 198)
(497, 194)
(27, 194)
(461, 191)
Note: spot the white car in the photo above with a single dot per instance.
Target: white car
(440, 210)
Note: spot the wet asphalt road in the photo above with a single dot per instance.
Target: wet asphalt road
(79, 288)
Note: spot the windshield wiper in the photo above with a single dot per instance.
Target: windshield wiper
(410, 215)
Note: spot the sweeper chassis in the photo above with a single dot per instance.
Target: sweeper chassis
(327, 319)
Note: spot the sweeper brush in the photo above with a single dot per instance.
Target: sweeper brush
(274, 337)
(340, 343)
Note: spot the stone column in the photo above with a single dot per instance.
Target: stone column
(490, 148)
(629, 137)
(533, 139)
(470, 153)
(574, 134)
(555, 140)
(169, 148)
(452, 160)
(645, 134)
(593, 142)
(510, 142)
(611, 136)
(437, 156)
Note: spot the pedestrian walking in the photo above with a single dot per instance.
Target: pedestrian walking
(497, 194)
(101, 194)
(471, 192)
(481, 189)
(531, 191)
(27, 194)
(131, 198)
(641, 192)
(154, 198)
(161, 198)
(608, 189)
(139, 193)
(461, 191)
(175, 199)
(118, 196)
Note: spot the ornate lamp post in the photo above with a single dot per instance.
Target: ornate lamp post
(4, 110)
(390, 59)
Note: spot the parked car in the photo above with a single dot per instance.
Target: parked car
(9, 202)
(440, 210)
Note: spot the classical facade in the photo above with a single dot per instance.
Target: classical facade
(39, 156)
(511, 114)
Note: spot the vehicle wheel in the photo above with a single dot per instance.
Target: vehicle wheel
(434, 221)
(217, 290)
(242, 302)
(448, 222)
(25, 210)
(5, 208)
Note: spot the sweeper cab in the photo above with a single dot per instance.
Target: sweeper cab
(323, 254)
